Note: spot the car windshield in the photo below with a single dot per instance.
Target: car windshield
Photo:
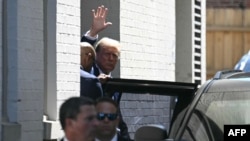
(213, 111)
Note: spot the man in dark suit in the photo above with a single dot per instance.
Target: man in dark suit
(108, 119)
(77, 117)
(107, 54)
(90, 84)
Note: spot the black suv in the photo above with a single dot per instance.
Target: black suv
(200, 113)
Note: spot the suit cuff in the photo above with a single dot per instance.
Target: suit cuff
(90, 37)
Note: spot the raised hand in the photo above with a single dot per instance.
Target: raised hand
(99, 21)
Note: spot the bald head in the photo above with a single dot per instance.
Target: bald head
(87, 55)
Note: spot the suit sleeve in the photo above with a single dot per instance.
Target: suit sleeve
(91, 88)
(90, 85)
(85, 38)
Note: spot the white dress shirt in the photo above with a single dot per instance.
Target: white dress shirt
(89, 37)
(65, 139)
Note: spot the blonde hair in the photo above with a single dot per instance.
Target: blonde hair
(105, 41)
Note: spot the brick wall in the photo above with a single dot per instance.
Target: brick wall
(68, 49)
(148, 52)
(30, 68)
(62, 57)
(228, 3)
(148, 39)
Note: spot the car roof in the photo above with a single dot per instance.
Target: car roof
(230, 80)
(227, 85)
(231, 74)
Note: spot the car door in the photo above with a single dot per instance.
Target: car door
(182, 93)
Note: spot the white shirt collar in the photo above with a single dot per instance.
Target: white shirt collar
(65, 139)
(90, 37)
(115, 138)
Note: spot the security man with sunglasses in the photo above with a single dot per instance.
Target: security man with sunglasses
(107, 120)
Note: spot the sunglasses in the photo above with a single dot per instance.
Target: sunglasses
(111, 117)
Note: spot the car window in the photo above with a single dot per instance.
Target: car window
(213, 111)
(196, 130)
(226, 108)
(146, 109)
(230, 112)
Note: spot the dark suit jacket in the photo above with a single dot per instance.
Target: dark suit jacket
(85, 39)
(123, 138)
(90, 85)
(96, 70)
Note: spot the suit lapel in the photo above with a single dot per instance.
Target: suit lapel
(96, 70)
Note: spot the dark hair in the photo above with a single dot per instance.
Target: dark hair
(108, 100)
(71, 108)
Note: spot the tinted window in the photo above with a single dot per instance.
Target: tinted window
(213, 111)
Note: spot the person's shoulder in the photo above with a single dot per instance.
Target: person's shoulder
(85, 74)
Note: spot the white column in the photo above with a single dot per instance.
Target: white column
(62, 57)
(23, 70)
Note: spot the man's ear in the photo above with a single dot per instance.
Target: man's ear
(118, 119)
(69, 122)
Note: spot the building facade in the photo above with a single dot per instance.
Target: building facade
(39, 59)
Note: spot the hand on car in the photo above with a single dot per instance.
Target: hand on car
(103, 78)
